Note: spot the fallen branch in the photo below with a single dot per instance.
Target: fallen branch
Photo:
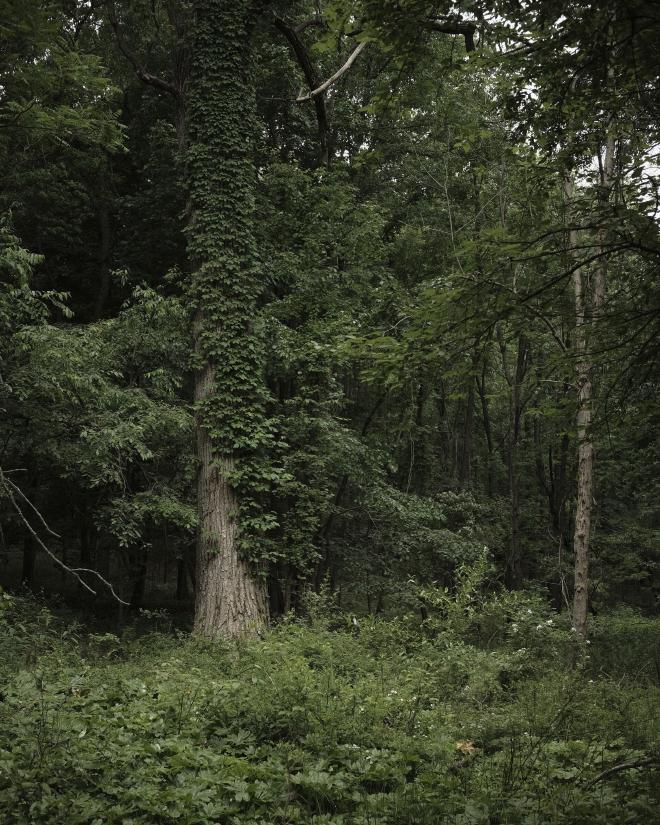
(624, 766)
(11, 489)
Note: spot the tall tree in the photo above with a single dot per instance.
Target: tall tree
(224, 288)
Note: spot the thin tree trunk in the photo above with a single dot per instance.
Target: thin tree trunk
(513, 573)
(585, 396)
(488, 430)
(29, 558)
(514, 379)
(139, 572)
(105, 249)
(181, 579)
(465, 456)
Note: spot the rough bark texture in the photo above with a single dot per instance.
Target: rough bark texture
(230, 598)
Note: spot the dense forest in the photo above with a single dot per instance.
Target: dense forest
(329, 344)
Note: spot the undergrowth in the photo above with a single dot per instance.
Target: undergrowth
(475, 716)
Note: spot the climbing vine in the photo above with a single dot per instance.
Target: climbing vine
(225, 285)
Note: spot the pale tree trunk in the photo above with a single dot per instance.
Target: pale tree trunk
(589, 299)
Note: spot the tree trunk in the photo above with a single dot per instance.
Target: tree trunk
(488, 430)
(29, 558)
(514, 378)
(513, 573)
(465, 456)
(104, 256)
(585, 396)
(139, 576)
(230, 598)
(181, 579)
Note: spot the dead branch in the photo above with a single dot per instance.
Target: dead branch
(335, 77)
(624, 766)
(302, 55)
(12, 490)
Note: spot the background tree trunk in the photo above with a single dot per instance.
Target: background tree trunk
(585, 392)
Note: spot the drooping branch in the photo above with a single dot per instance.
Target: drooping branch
(302, 55)
(335, 77)
(12, 491)
(446, 26)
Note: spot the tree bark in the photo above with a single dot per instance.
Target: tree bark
(488, 430)
(585, 396)
(230, 598)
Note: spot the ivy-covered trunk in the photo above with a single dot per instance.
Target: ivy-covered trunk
(225, 285)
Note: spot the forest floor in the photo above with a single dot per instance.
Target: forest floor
(476, 716)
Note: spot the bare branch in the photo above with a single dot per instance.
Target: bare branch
(10, 489)
(293, 36)
(335, 77)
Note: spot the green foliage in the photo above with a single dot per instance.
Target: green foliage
(380, 723)
(53, 92)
